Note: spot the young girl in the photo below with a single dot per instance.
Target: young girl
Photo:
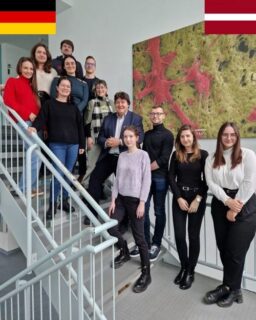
(130, 191)
(187, 182)
(20, 94)
(65, 134)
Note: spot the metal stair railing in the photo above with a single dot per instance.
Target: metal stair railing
(17, 148)
(28, 300)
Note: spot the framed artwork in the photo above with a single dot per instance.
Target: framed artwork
(199, 80)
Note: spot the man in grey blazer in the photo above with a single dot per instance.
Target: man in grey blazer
(111, 141)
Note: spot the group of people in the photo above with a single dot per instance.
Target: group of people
(78, 115)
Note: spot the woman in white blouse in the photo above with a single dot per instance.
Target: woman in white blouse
(231, 177)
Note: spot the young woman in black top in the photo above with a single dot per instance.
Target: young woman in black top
(65, 134)
(187, 182)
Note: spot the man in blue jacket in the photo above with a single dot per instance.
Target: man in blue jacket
(111, 141)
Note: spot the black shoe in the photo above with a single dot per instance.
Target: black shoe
(233, 295)
(144, 280)
(87, 221)
(216, 294)
(187, 280)
(51, 210)
(123, 256)
(66, 206)
(178, 278)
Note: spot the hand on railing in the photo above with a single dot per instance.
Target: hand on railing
(32, 130)
(32, 117)
(81, 151)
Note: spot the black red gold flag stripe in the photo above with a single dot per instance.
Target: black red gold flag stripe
(27, 16)
(230, 16)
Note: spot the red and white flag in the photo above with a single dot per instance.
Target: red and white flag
(230, 17)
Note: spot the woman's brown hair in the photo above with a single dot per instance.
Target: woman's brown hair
(236, 156)
(181, 154)
(48, 64)
(32, 81)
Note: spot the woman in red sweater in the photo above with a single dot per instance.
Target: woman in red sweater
(20, 94)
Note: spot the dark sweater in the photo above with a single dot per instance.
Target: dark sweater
(187, 174)
(63, 122)
(158, 143)
(90, 82)
(57, 65)
(79, 92)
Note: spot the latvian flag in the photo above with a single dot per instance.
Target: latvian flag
(27, 16)
(230, 16)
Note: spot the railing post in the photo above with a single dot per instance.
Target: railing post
(27, 299)
(29, 203)
(80, 280)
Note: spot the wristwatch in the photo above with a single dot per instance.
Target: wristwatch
(198, 199)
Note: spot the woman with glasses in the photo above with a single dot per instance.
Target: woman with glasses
(188, 185)
(79, 97)
(66, 137)
(231, 177)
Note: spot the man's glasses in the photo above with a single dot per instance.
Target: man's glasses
(156, 114)
(88, 64)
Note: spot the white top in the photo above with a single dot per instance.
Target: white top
(133, 175)
(242, 177)
(44, 79)
(119, 124)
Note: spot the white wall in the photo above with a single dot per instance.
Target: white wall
(107, 30)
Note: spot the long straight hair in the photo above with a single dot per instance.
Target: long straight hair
(32, 80)
(236, 156)
(181, 154)
(48, 64)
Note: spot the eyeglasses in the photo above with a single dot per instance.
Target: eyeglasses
(90, 64)
(157, 114)
(227, 135)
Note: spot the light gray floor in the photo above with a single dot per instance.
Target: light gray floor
(164, 301)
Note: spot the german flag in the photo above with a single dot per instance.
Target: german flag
(27, 16)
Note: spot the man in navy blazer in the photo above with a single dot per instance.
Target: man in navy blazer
(111, 141)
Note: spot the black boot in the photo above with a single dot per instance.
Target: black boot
(123, 256)
(187, 279)
(50, 210)
(144, 280)
(179, 276)
(233, 295)
(66, 206)
(216, 294)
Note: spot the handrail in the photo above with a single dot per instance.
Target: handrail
(39, 142)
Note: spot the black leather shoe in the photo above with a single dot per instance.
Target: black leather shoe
(187, 280)
(216, 294)
(66, 206)
(227, 301)
(179, 276)
(144, 280)
(123, 257)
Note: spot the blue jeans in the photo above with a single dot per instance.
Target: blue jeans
(67, 154)
(158, 190)
(35, 165)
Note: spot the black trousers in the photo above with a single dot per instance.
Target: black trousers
(82, 164)
(103, 169)
(128, 206)
(180, 217)
(233, 239)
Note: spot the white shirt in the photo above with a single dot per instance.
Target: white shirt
(119, 124)
(242, 177)
(44, 79)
